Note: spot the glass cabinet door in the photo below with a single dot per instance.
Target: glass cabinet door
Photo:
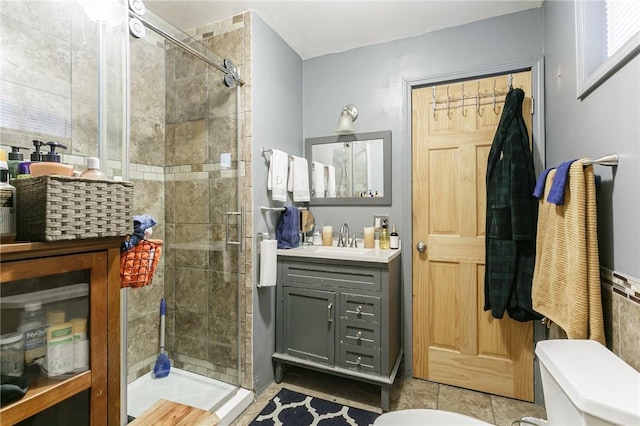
(51, 312)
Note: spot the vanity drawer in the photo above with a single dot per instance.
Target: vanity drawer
(331, 275)
(365, 360)
(356, 307)
(361, 335)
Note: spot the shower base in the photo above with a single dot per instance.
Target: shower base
(184, 387)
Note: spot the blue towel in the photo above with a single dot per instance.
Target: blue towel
(287, 231)
(141, 223)
(538, 191)
(556, 193)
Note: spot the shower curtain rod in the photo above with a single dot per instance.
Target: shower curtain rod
(184, 46)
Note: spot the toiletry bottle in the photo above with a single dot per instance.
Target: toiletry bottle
(7, 206)
(394, 239)
(24, 170)
(34, 328)
(60, 347)
(52, 155)
(3, 155)
(80, 344)
(15, 158)
(93, 169)
(383, 242)
(37, 155)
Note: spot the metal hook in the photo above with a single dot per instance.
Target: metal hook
(478, 101)
(510, 81)
(494, 96)
(464, 114)
(448, 104)
(434, 104)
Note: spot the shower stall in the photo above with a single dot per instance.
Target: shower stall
(185, 148)
(162, 110)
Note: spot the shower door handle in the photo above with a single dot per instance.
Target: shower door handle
(238, 242)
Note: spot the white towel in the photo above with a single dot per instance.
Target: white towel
(299, 178)
(317, 178)
(277, 178)
(331, 182)
(268, 263)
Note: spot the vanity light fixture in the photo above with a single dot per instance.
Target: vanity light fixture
(345, 122)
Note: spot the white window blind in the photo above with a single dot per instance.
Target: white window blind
(623, 21)
(608, 36)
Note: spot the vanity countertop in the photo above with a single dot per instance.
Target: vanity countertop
(374, 255)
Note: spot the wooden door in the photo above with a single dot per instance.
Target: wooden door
(454, 340)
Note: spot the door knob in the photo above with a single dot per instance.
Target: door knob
(421, 247)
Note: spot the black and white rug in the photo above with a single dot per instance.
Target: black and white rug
(289, 408)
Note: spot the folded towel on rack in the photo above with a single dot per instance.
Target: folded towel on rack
(268, 263)
(566, 279)
(331, 182)
(556, 193)
(277, 177)
(317, 179)
(288, 229)
(298, 182)
(542, 179)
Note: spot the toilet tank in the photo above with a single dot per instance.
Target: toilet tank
(584, 383)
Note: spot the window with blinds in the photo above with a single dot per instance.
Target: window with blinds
(608, 36)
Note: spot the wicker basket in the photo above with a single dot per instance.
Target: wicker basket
(55, 208)
(138, 264)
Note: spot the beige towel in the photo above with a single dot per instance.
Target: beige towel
(566, 280)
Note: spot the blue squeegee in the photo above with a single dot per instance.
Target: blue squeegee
(163, 364)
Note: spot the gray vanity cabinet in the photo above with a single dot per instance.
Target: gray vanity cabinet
(340, 317)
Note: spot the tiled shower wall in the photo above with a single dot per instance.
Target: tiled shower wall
(199, 124)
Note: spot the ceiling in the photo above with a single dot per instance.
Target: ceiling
(316, 28)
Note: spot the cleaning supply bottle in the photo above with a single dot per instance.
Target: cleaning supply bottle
(383, 239)
(394, 239)
(34, 328)
(60, 345)
(24, 170)
(37, 155)
(93, 169)
(7, 206)
(15, 158)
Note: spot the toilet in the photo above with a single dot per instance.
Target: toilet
(583, 383)
(422, 417)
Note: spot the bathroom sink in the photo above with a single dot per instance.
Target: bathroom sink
(359, 254)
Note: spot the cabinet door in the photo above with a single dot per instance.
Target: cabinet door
(308, 324)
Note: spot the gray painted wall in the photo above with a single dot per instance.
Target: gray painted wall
(276, 123)
(606, 121)
(373, 78)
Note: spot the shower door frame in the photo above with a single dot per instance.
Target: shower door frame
(229, 70)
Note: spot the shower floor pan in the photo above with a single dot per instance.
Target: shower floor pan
(184, 387)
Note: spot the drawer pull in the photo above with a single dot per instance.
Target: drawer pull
(359, 335)
(329, 316)
(359, 309)
(358, 360)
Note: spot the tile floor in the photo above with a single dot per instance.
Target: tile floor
(406, 393)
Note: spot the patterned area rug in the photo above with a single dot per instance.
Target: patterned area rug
(289, 408)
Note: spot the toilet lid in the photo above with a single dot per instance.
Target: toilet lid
(421, 417)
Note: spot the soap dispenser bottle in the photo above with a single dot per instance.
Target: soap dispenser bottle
(394, 239)
(383, 239)
(52, 156)
(15, 158)
(37, 155)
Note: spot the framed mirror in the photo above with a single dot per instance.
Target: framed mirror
(350, 170)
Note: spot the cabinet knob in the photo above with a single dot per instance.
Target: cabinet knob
(359, 309)
(358, 360)
(359, 335)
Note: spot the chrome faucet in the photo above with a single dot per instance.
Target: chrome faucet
(343, 238)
